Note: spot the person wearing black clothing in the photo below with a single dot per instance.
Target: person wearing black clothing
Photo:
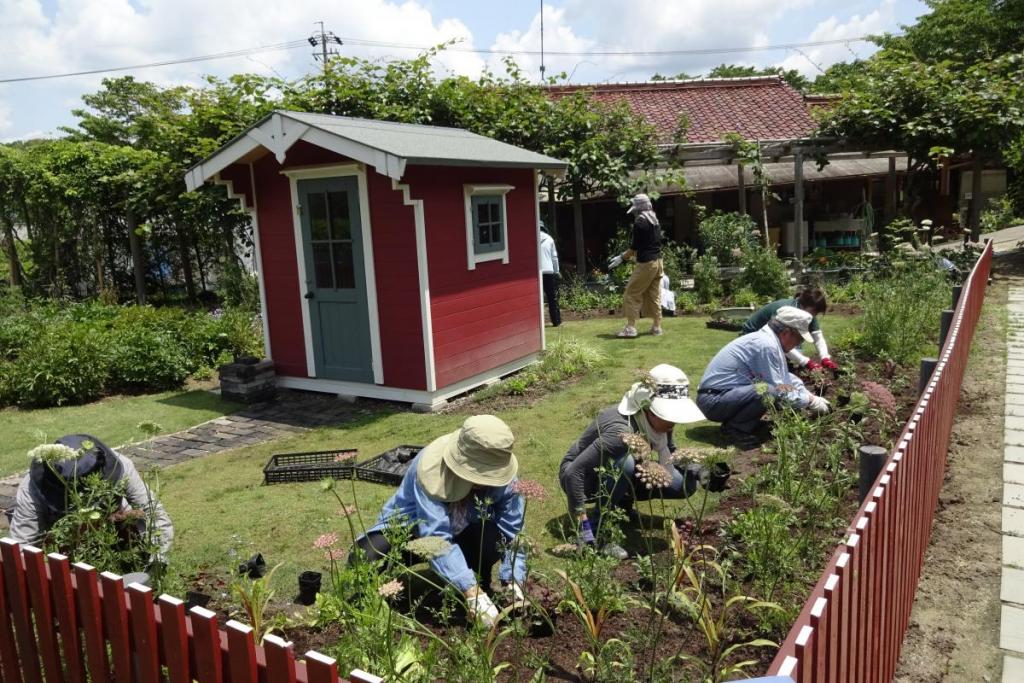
(642, 297)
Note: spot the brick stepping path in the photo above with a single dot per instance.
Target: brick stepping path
(291, 413)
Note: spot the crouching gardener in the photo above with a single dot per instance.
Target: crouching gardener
(459, 488)
(61, 475)
(645, 415)
(813, 301)
(727, 391)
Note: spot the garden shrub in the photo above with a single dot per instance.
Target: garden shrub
(764, 273)
(727, 236)
(746, 297)
(901, 313)
(1000, 214)
(707, 283)
(65, 364)
(145, 358)
(686, 302)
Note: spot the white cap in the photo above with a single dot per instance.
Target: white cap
(797, 319)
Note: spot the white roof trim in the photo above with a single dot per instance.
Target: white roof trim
(277, 133)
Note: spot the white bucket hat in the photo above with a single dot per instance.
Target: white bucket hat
(641, 203)
(669, 398)
(480, 453)
(797, 319)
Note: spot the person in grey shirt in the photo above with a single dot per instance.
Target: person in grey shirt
(728, 390)
(42, 497)
(648, 410)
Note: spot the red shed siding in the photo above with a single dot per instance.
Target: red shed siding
(489, 316)
(398, 286)
(280, 272)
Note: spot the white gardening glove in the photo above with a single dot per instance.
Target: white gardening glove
(615, 262)
(514, 593)
(482, 609)
(818, 405)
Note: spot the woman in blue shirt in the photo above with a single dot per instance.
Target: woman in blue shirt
(460, 489)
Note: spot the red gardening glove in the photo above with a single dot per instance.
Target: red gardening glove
(829, 363)
(812, 366)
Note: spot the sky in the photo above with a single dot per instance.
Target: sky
(45, 37)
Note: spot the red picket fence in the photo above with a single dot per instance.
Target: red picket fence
(851, 628)
(61, 622)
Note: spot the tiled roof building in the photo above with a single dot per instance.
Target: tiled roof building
(759, 108)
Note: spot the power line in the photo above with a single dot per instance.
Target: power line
(290, 45)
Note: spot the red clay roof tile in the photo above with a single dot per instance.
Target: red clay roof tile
(762, 108)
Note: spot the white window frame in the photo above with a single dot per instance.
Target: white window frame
(470, 191)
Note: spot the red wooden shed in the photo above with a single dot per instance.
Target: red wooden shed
(395, 261)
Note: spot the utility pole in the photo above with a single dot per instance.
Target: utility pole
(323, 39)
(542, 41)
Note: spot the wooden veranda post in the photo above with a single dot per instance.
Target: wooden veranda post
(741, 186)
(798, 202)
(974, 208)
(890, 192)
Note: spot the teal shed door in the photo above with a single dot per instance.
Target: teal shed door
(335, 278)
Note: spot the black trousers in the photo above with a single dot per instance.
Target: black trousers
(551, 294)
(479, 543)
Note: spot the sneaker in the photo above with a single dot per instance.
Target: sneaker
(657, 331)
(627, 332)
(614, 551)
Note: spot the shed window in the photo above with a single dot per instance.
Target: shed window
(486, 224)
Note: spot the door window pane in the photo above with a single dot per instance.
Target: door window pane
(322, 265)
(341, 228)
(318, 215)
(344, 270)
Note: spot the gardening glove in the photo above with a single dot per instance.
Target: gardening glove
(818, 405)
(482, 609)
(514, 594)
(811, 365)
(830, 364)
(586, 536)
(615, 262)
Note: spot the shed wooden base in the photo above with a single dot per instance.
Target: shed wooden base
(425, 401)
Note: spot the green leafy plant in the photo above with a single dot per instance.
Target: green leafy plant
(254, 596)
(727, 236)
(707, 283)
(763, 273)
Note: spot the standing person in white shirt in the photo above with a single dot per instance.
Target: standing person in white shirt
(549, 274)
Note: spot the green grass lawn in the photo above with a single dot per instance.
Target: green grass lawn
(221, 510)
(113, 420)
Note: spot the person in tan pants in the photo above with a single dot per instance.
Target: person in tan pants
(642, 297)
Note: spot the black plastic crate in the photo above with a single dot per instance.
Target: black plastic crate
(388, 467)
(312, 466)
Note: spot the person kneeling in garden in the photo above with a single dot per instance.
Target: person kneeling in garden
(811, 300)
(80, 474)
(728, 391)
(460, 488)
(625, 454)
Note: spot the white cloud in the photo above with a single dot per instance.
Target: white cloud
(881, 19)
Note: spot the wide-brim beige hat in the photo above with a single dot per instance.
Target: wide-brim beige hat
(479, 453)
(669, 398)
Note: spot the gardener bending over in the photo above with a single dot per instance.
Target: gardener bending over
(460, 489)
(59, 476)
(645, 417)
(811, 300)
(728, 392)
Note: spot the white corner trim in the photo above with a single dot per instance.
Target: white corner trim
(468, 192)
(540, 276)
(254, 215)
(424, 277)
(300, 258)
(369, 272)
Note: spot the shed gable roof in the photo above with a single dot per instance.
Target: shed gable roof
(758, 108)
(385, 145)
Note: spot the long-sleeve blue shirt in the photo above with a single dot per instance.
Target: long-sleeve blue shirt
(753, 358)
(432, 517)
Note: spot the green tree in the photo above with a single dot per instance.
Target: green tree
(791, 76)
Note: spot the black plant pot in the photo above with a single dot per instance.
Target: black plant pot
(309, 586)
(720, 474)
(196, 599)
(541, 626)
(254, 567)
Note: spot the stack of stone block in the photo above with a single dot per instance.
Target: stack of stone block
(248, 380)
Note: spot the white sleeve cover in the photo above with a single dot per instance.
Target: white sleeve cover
(819, 344)
(798, 359)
